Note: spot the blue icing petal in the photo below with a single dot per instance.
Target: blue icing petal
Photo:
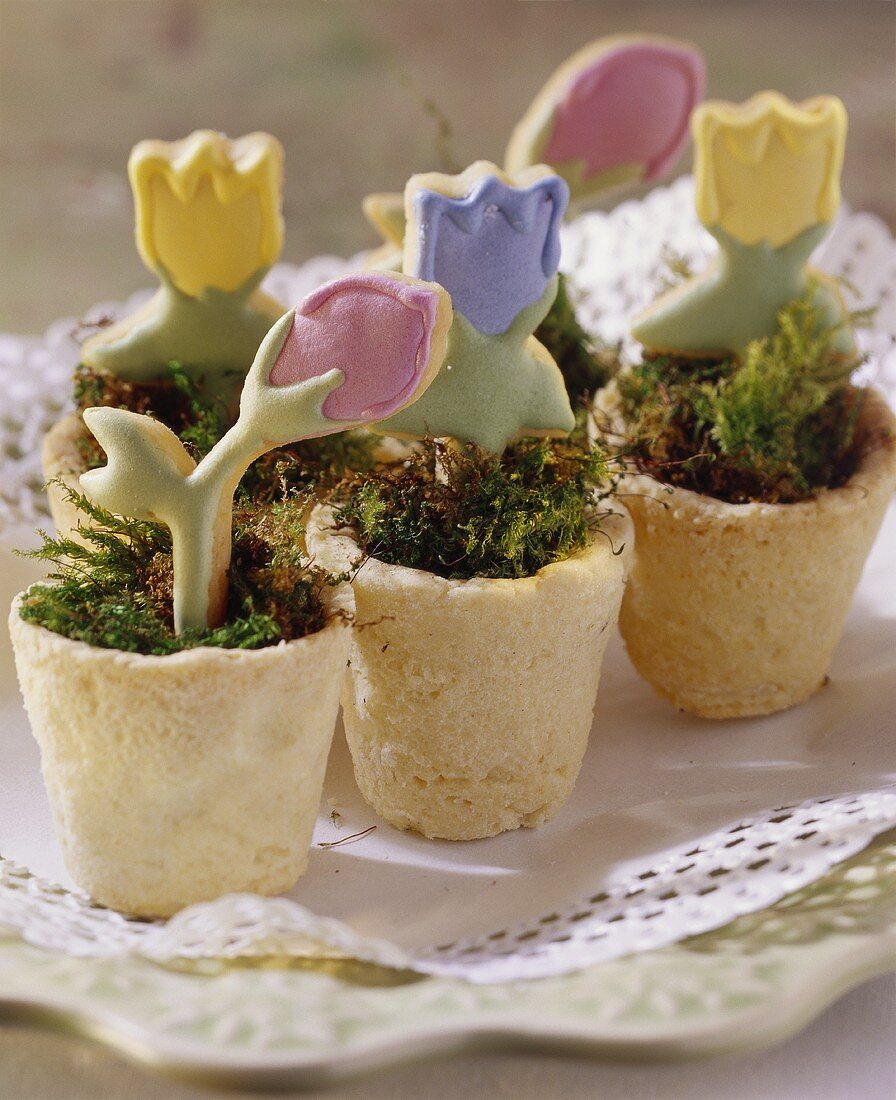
(493, 250)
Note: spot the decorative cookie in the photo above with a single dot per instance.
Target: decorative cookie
(492, 240)
(614, 114)
(208, 225)
(453, 708)
(356, 350)
(384, 210)
(768, 185)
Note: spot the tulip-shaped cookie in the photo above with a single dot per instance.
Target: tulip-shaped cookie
(356, 350)
(209, 227)
(768, 185)
(614, 114)
(492, 241)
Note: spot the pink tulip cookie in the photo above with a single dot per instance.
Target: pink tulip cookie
(357, 349)
(615, 113)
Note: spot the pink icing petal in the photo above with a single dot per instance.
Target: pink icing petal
(631, 106)
(376, 330)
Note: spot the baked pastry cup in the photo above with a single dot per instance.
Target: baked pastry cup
(63, 463)
(734, 610)
(177, 779)
(468, 704)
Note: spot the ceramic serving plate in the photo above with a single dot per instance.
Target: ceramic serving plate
(653, 779)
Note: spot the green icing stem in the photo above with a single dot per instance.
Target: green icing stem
(150, 475)
(491, 389)
(739, 296)
(585, 188)
(213, 336)
(200, 517)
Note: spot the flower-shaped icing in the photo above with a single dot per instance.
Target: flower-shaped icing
(374, 329)
(768, 169)
(768, 183)
(617, 111)
(490, 239)
(208, 208)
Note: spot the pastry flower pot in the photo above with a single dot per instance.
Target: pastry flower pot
(175, 779)
(734, 610)
(468, 704)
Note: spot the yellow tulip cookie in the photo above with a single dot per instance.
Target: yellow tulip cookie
(208, 225)
(767, 176)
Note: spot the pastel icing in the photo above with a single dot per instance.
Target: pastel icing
(208, 225)
(767, 185)
(738, 297)
(384, 210)
(304, 362)
(208, 208)
(385, 213)
(617, 111)
(375, 330)
(493, 242)
(768, 169)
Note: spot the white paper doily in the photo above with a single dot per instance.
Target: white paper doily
(734, 871)
(615, 266)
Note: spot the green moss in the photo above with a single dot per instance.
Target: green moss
(178, 402)
(777, 427)
(465, 512)
(200, 422)
(584, 364)
(312, 465)
(116, 592)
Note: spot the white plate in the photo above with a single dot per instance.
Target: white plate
(652, 780)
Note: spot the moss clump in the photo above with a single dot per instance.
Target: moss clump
(312, 465)
(177, 401)
(776, 428)
(465, 512)
(200, 422)
(116, 592)
(584, 364)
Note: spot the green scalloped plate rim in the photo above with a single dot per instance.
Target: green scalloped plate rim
(751, 984)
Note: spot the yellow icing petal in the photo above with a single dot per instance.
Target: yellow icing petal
(768, 169)
(208, 209)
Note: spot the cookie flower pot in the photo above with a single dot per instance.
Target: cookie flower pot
(772, 472)
(468, 703)
(175, 779)
(182, 674)
(487, 598)
(734, 610)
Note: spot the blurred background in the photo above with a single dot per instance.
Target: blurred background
(362, 93)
